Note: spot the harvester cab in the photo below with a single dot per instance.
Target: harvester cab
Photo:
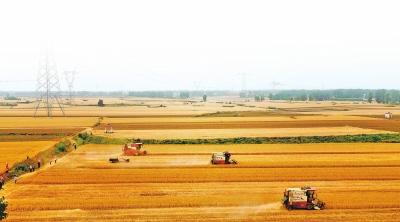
(133, 149)
(222, 158)
(302, 198)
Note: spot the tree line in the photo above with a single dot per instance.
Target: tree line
(381, 95)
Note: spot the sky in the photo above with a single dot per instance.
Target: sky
(203, 45)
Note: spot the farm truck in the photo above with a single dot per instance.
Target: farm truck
(133, 149)
(222, 158)
(302, 198)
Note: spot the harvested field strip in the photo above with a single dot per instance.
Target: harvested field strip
(178, 175)
(233, 133)
(33, 131)
(378, 124)
(10, 122)
(169, 195)
(244, 148)
(27, 138)
(208, 119)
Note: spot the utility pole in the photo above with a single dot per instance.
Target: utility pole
(70, 75)
(48, 85)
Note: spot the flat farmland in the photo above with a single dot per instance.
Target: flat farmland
(177, 182)
(358, 181)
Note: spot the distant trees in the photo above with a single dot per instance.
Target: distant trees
(204, 98)
(100, 103)
(370, 96)
(259, 98)
(271, 96)
(8, 97)
(184, 95)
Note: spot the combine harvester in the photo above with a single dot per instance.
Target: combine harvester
(302, 198)
(222, 158)
(133, 149)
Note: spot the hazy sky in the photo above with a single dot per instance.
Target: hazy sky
(169, 44)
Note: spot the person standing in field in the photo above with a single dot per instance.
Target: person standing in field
(30, 168)
(38, 163)
(75, 146)
(55, 159)
(15, 179)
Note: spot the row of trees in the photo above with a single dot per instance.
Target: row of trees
(380, 95)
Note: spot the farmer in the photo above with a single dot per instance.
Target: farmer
(227, 156)
(38, 163)
(15, 179)
(30, 168)
(75, 146)
(55, 159)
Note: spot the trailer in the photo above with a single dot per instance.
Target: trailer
(302, 198)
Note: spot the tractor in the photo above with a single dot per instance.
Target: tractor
(133, 149)
(222, 158)
(116, 160)
(302, 198)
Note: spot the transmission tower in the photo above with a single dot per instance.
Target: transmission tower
(244, 81)
(274, 84)
(70, 75)
(48, 86)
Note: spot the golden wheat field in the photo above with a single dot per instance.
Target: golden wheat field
(12, 152)
(357, 181)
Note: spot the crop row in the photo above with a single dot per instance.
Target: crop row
(197, 175)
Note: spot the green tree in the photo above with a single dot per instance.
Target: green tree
(100, 103)
(205, 98)
(184, 95)
(370, 97)
(271, 96)
(387, 98)
(380, 96)
(257, 98)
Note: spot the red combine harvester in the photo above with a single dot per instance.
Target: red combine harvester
(302, 198)
(133, 149)
(222, 158)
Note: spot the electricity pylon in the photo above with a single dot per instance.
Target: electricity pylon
(70, 75)
(48, 86)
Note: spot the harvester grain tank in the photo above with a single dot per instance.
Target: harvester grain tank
(302, 198)
(133, 149)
